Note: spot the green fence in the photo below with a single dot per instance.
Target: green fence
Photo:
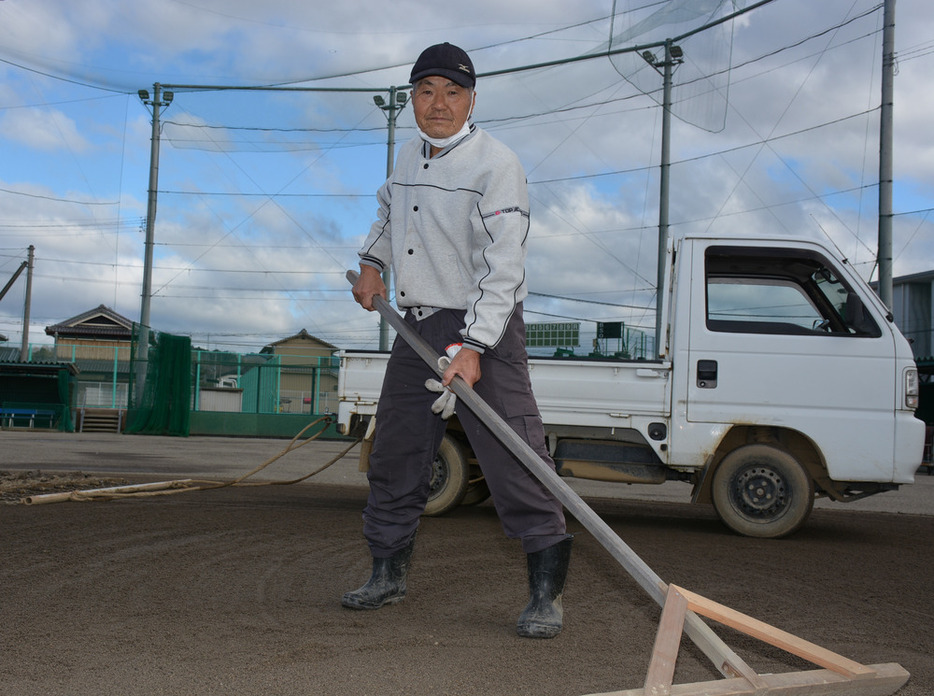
(263, 383)
(222, 392)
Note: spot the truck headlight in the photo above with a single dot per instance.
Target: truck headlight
(911, 388)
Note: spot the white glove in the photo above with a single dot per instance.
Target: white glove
(445, 403)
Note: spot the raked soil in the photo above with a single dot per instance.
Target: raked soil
(237, 591)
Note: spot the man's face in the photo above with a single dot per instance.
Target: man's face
(441, 106)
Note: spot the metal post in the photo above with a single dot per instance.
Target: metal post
(197, 401)
(146, 298)
(663, 198)
(390, 150)
(885, 153)
(24, 348)
(390, 110)
(114, 375)
(159, 99)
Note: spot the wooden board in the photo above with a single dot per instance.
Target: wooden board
(888, 679)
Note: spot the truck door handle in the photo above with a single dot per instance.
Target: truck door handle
(707, 374)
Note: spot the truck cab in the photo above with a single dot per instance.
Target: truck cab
(791, 374)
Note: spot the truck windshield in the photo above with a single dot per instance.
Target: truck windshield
(781, 291)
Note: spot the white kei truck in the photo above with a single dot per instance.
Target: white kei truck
(781, 377)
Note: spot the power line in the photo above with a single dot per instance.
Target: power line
(238, 194)
(707, 155)
(917, 51)
(56, 199)
(595, 302)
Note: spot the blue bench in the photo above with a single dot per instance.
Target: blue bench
(26, 417)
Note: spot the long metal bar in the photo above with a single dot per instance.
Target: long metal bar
(270, 88)
(27, 307)
(663, 201)
(142, 354)
(885, 154)
(723, 658)
(390, 165)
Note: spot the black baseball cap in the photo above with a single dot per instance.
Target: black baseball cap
(446, 60)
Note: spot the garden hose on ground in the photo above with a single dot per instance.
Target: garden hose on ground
(147, 490)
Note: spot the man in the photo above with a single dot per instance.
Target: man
(453, 220)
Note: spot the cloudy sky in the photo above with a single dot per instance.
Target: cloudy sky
(264, 195)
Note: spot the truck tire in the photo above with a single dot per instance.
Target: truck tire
(450, 475)
(762, 491)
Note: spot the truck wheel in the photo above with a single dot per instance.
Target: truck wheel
(449, 477)
(762, 491)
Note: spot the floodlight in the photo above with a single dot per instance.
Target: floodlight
(649, 57)
(379, 101)
(143, 94)
(168, 97)
(676, 52)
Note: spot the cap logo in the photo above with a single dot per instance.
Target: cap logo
(461, 66)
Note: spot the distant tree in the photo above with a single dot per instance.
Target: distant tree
(43, 354)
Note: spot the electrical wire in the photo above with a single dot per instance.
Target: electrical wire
(919, 51)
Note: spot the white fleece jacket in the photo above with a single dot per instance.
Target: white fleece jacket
(454, 228)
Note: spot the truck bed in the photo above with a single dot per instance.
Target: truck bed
(587, 393)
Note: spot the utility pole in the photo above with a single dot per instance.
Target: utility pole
(396, 103)
(24, 347)
(885, 153)
(673, 56)
(146, 295)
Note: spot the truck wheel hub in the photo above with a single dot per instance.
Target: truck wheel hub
(439, 476)
(759, 491)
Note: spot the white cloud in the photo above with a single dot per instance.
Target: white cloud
(43, 129)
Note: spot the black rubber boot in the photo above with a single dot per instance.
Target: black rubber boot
(548, 569)
(387, 583)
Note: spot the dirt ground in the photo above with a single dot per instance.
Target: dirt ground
(237, 591)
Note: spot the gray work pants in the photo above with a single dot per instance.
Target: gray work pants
(408, 436)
